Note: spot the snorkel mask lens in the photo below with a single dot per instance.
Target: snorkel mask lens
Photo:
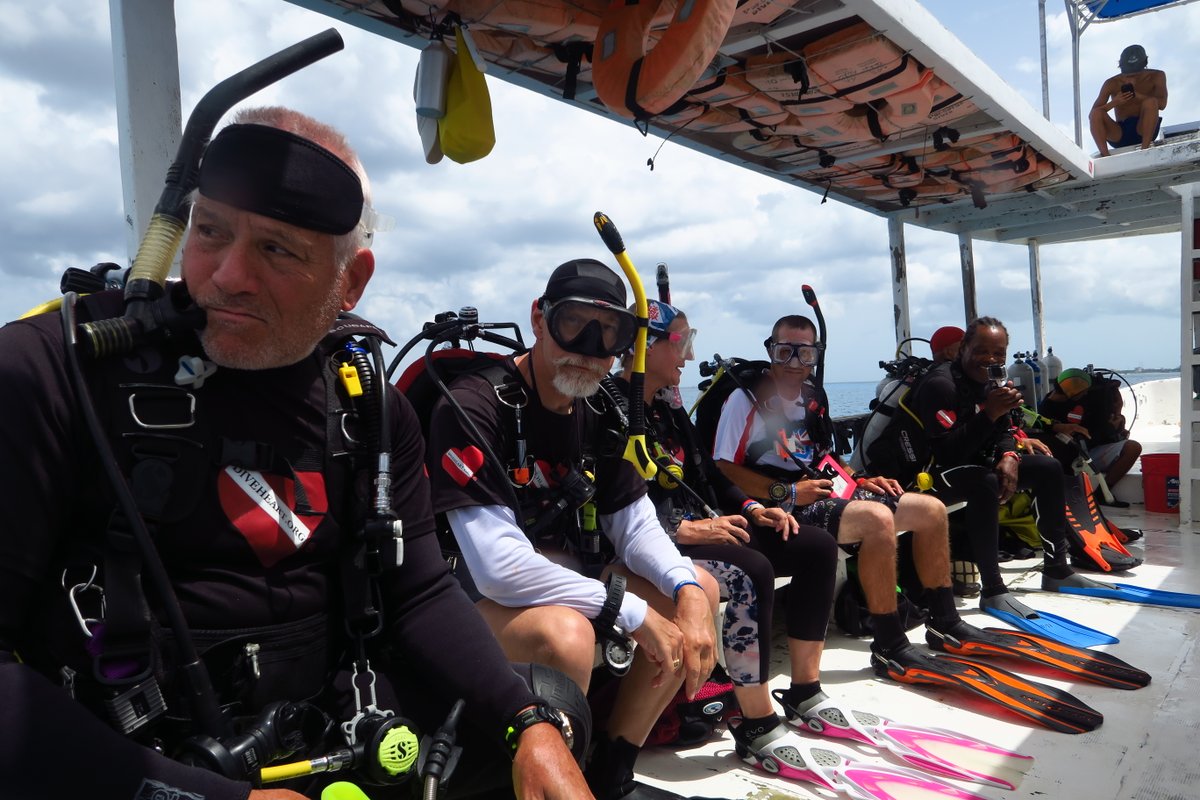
(683, 342)
(589, 327)
(784, 352)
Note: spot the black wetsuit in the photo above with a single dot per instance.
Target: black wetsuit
(232, 564)
(966, 448)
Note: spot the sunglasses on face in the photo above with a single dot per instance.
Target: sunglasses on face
(590, 327)
(784, 352)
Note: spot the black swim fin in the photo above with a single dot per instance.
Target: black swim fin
(1045, 705)
(1088, 665)
(1091, 541)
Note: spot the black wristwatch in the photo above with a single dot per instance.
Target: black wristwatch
(779, 491)
(616, 647)
(537, 714)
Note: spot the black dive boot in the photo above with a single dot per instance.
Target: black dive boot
(610, 773)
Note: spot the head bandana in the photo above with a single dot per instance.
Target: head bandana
(661, 316)
(283, 176)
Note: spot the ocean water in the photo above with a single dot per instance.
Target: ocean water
(854, 397)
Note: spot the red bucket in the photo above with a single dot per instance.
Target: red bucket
(1160, 482)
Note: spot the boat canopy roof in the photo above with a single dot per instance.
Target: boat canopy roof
(1107, 10)
(871, 102)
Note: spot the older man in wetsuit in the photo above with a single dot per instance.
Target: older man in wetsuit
(1136, 95)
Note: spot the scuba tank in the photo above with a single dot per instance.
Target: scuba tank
(1052, 368)
(1021, 374)
(888, 395)
(1034, 395)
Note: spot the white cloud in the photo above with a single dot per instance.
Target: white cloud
(487, 234)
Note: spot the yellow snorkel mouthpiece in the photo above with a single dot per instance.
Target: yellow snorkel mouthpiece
(636, 451)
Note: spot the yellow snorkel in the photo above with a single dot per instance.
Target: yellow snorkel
(636, 451)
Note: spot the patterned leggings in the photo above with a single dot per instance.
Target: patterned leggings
(747, 580)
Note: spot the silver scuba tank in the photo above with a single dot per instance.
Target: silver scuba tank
(1034, 397)
(1051, 368)
(888, 393)
(1021, 374)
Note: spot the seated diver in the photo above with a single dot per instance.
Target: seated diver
(1079, 406)
(981, 457)
(252, 559)
(533, 554)
(738, 550)
(767, 443)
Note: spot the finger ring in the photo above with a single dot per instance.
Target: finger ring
(677, 664)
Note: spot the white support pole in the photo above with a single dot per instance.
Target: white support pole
(146, 72)
(1045, 61)
(900, 309)
(1073, 21)
(966, 257)
(1035, 294)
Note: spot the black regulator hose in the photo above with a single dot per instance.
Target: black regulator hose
(169, 220)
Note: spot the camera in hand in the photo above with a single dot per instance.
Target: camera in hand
(997, 374)
(1127, 88)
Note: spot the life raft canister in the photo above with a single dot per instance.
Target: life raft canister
(636, 83)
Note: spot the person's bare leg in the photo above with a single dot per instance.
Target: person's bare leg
(925, 516)
(871, 525)
(638, 704)
(556, 636)
(1148, 121)
(1104, 129)
(1123, 463)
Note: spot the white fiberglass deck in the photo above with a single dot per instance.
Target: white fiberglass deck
(1145, 750)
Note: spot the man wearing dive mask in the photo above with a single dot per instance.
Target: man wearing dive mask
(769, 444)
(241, 458)
(548, 534)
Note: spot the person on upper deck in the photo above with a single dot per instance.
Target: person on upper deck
(1136, 96)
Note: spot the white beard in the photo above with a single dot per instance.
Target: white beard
(576, 384)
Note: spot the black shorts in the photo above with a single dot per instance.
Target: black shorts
(827, 513)
(1129, 132)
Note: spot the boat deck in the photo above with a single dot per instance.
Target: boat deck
(1146, 748)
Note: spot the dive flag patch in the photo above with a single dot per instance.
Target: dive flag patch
(1075, 415)
(946, 417)
(263, 509)
(461, 465)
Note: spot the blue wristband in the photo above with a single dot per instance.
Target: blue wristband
(680, 585)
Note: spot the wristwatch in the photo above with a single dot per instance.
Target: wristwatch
(536, 714)
(616, 648)
(779, 491)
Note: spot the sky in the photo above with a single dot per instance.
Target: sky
(487, 234)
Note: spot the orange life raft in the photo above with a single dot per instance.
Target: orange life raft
(639, 83)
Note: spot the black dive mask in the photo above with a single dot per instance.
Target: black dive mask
(588, 327)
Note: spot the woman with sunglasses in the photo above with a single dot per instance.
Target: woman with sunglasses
(730, 548)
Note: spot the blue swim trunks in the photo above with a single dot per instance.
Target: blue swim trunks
(1129, 132)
